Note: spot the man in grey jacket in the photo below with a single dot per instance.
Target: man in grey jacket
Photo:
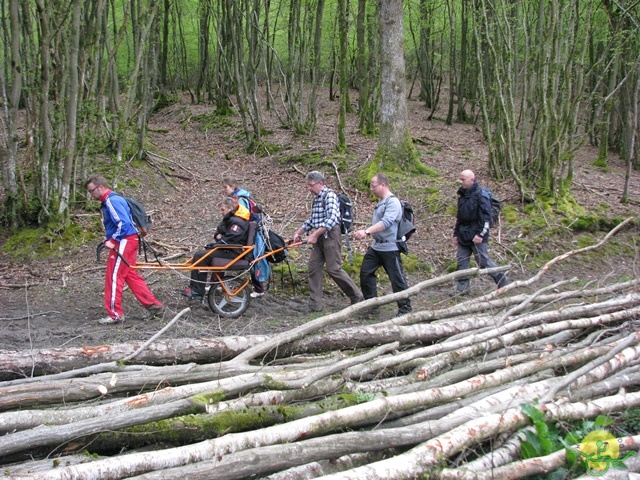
(384, 251)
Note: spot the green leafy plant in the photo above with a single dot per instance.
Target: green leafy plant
(546, 439)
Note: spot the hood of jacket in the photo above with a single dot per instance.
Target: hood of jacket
(242, 212)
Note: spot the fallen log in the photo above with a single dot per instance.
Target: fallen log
(425, 458)
(457, 387)
(34, 363)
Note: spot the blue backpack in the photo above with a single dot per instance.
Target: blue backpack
(261, 269)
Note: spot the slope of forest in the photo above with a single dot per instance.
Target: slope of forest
(373, 374)
(181, 185)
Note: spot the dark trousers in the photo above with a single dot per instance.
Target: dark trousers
(481, 255)
(392, 264)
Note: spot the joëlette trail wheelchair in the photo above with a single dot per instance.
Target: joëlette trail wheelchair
(227, 295)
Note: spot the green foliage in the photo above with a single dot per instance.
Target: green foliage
(601, 162)
(363, 397)
(412, 264)
(510, 214)
(547, 439)
(630, 421)
(404, 159)
(593, 223)
(263, 149)
(55, 241)
(544, 441)
(215, 121)
(304, 159)
(450, 265)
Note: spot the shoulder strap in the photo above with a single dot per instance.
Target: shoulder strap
(324, 197)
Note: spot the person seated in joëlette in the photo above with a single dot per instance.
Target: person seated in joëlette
(232, 230)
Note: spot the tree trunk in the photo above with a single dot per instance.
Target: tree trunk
(45, 362)
(315, 77)
(453, 67)
(45, 111)
(72, 110)
(10, 105)
(204, 10)
(367, 58)
(395, 147)
(343, 27)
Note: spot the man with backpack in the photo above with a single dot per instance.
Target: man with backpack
(323, 228)
(122, 241)
(471, 233)
(384, 252)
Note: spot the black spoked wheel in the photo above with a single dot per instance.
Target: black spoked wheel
(232, 304)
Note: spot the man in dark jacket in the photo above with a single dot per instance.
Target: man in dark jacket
(232, 230)
(471, 233)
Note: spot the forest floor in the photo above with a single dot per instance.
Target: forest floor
(55, 302)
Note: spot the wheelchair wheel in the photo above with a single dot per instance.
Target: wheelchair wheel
(229, 306)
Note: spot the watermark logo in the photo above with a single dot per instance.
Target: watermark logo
(600, 451)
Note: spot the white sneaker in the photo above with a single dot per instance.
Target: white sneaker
(110, 321)
(257, 295)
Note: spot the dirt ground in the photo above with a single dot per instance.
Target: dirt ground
(55, 303)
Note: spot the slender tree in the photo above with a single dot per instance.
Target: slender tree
(244, 22)
(467, 73)
(10, 104)
(72, 108)
(343, 26)
(533, 141)
(316, 62)
(453, 68)
(428, 58)
(204, 41)
(368, 66)
(395, 147)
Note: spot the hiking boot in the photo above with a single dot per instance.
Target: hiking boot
(403, 311)
(357, 300)
(370, 313)
(110, 321)
(257, 294)
(309, 309)
(504, 281)
(460, 293)
(154, 311)
(462, 288)
(191, 295)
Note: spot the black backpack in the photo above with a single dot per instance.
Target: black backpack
(346, 211)
(406, 227)
(275, 242)
(139, 217)
(346, 218)
(496, 205)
